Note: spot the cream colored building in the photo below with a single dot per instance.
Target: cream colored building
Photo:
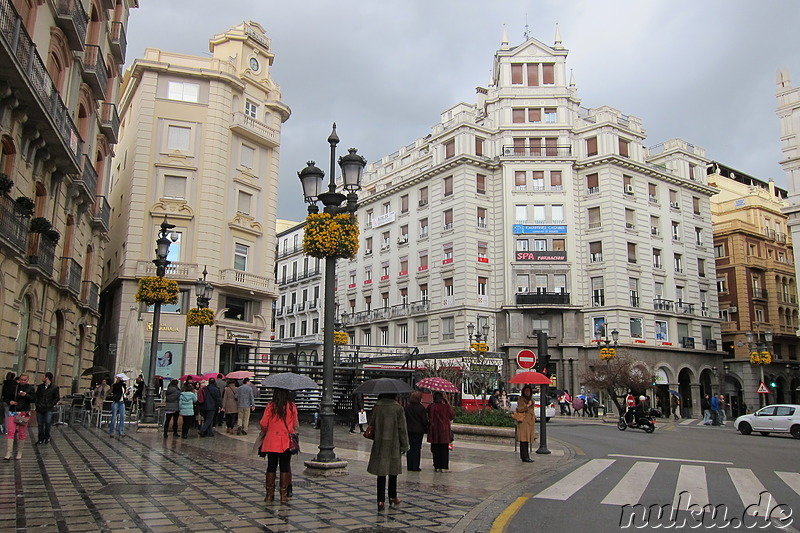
(60, 64)
(200, 145)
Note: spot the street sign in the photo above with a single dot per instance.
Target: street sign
(526, 359)
(762, 389)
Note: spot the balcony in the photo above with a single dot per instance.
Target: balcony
(41, 253)
(94, 70)
(759, 294)
(109, 122)
(13, 228)
(71, 274)
(254, 130)
(537, 151)
(119, 43)
(289, 250)
(86, 182)
(663, 305)
(90, 296)
(175, 270)
(246, 280)
(684, 308)
(102, 214)
(24, 71)
(71, 19)
(385, 313)
(728, 327)
(542, 298)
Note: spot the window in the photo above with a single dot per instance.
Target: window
(636, 328)
(447, 251)
(251, 109)
(599, 325)
(627, 184)
(595, 252)
(178, 138)
(652, 192)
(522, 245)
(367, 274)
(248, 156)
(404, 296)
(387, 208)
(243, 202)
(448, 286)
(548, 74)
(516, 74)
(366, 336)
(480, 184)
(520, 180)
(448, 327)
(518, 116)
(403, 234)
(630, 218)
(423, 227)
(483, 283)
(478, 146)
(385, 273)
(449, 149)
(594, 217)
(540, 245)
(678, 260)
(483, 252)
(550, 115)
(539, 216)
(719, 250)
(662, 331)
(385, 240)
(448, 186)
(238, 308)
(175, 187)
(423, 196)
(633, 289)
(183, 91)
(591, 146)
(240, 257)
(368, 303)
(676, 231)
(448, 219)
(557, 214)
(533, 74)
(481, 211)
(555, 180)
(534, 115)
(538, 180)
(695, 205)
(722, 284)
(559, 245)
(673, 199)
(655, 226)
(698, 236)
(404, 203)
(598, 292)
(631, 252)
(592, 183)
(523, 283)
(385, 295)
(402, 333)
(403, 270)
(624, 147)
(422, 330)
(368, 246)
(423, 292)
(423, 261)
(657, 258)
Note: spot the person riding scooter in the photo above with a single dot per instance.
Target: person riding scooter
(635, 414)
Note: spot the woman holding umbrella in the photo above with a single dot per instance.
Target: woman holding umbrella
(440, 414)
(279, 420)
(526, 423)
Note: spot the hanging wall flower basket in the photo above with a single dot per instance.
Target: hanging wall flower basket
(40, 225)
(6, 184)
(154, 290)
(331, 236)
(200, 317)
(24, 206)
(340, 337)
(760, 358)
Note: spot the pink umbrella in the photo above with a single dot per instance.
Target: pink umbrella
(190, 377)
(437, 384)
(240, 374)
(209, 375)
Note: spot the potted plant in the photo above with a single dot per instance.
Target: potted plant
(200, 317)
(6, 184)
(153, 290)
(52, 234)
(40, 225)
(24, 206)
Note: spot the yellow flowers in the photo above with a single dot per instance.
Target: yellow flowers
(153, 290)
(340, 337)
(331, 235)
(479, 347)
(200, 317)
(607, 353)
(760, 358)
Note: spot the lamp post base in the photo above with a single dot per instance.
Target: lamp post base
(325, 469)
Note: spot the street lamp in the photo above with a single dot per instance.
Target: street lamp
(311, 178)
(609, 351)
(478, 341)
(204, 290)
(760, 354)
(165, 238)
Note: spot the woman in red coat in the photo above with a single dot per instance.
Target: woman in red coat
(280, 419)
(440, 414)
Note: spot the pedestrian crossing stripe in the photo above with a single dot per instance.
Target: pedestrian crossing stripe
(691, 488)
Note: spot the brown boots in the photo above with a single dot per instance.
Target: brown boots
(270, 485)
(286, 478)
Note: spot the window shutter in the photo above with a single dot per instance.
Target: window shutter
(533, 75)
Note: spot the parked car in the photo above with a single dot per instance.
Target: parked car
(777, 418)
(549, 410)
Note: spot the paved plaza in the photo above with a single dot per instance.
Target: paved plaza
(85, 481)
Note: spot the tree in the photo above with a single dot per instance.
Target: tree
(617, 376)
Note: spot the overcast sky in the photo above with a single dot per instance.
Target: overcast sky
(384, 70)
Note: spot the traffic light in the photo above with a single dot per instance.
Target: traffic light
(773, 381)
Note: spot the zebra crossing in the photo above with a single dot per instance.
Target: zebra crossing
(624, 480)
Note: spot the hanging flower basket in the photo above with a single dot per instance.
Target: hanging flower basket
(200, 317)
(40, 225)
(6, 184)
(331, 236)
(340, 337)
(154, 290)
(606, 354)
(24, 206)
(760, 358)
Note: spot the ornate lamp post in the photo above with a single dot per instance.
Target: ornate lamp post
(609, 351)
(478, 342)
(204, 290)
(311, 178)
(165, 238)
(760, 355)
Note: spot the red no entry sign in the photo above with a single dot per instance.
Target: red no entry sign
(526, 359)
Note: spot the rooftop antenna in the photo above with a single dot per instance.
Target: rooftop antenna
(527, 32)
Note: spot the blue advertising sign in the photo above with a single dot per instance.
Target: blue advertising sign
(529, 229)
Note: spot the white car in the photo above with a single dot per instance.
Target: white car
(778, 418)
(549, 410)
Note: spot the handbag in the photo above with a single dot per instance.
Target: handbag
(519, 417)
(258, 443)
(21, 418)
(369, 433)
(294, 441)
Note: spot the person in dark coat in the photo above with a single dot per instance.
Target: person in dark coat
(9, 385)
(172, 407)
(391, 440)
(47, 396)
(440, 414)
(212, 402)
(417, 424)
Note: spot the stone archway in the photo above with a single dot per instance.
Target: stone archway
(706, 380)
(781, 392)
(732, 389)
(685, 379)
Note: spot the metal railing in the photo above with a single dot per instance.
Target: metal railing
(542, 298)
(94, 70)
(91, 295)
(102, 213)
(537, 151)
(71, 274)
(119, 43)
(109, 121)
(73, 21)
(42, 253)
(385, 313)
(663, 305)
(13, 228)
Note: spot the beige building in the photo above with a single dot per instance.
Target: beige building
(58, 124)
(199, 145)
(756, 284)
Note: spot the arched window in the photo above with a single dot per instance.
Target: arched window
(22, 334)
(41, 199)
(8, 156)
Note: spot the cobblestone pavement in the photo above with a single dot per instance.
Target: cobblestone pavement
(85, 481)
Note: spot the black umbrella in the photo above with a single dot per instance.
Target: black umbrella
(289, 381)
(95, 370)
(383, 386)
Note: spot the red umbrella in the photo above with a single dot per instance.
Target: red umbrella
(530, 378)
(209, 375)
(240, 374)
(437, 384)
(190, 377)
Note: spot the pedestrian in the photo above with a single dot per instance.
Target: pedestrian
(172, 407)
(19, 415)
(117, 407)
(577, 406)
(138, 390)
(358, 408)
(277, 423)
(417, 426)
(230, 406)
(8, 391)
(505, 403)
(675, 404)
(100, 393)
(494, 400)
(526, 423)
(47, 396)
(391, 441)
(705, 406)
(210, 401)
(245, 398)
(440, 415)
(715, 420)
(186, 403)
(723, 408)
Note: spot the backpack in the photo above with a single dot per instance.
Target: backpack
(201, 396)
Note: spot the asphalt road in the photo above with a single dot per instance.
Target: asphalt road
(680, 466)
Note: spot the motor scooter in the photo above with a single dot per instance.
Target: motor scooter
(646, 422)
